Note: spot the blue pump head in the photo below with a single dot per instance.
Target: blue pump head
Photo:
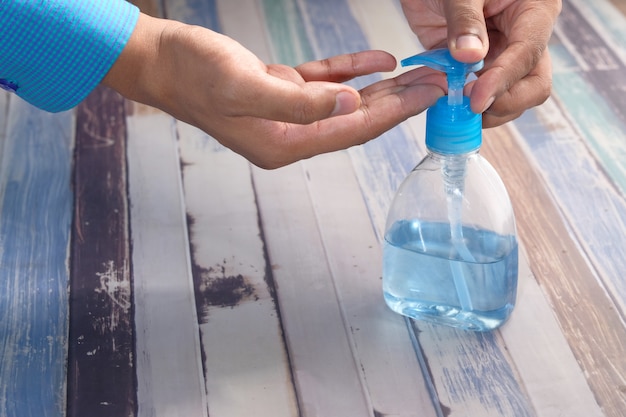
(451, 126)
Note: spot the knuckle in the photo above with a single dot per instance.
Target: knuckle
(467, 17)
(304, 111)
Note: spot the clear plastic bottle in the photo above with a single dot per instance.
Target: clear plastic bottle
(450, 252)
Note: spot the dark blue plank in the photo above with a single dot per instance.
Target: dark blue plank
(101, 368)
(34, 234)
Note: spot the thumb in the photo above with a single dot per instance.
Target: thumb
(309, 102)
(467, 33)
(320, 100)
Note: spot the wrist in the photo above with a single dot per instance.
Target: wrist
(135, 74)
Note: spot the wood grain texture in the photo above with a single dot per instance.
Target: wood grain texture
(587, 316)
(327, 377)
(246, 365)
(101, 368)
(555, 383)
(587, 125)
(390, 370)
(619, 4)
(35, 222)
(169, 355)
(251, 292)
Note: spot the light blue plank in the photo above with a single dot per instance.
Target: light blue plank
(288, 25)
(596, 211)
(194, 12)
(589, 81)
(579, 145)
(34, 233)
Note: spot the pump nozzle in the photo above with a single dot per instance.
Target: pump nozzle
(451, 126)
(442, 60)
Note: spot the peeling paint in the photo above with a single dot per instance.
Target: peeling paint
(219, 286)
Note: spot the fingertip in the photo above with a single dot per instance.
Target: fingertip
(468, 48)
(488, 104)
(481, 97)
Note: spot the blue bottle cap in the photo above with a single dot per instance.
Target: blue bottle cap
(451, 126)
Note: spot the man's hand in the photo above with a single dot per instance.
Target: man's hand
(273, 115)
(512, 37)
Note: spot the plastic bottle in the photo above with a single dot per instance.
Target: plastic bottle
(450, 252)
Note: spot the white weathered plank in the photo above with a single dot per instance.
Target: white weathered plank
(169, 369)
(586, 312)
(385, 28)
(576, 138)
(326, 374)
(552, 377)
(246, 363)
(381, 346)
(247, 367)
(252, 34)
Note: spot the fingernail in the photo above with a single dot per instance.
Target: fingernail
(344, 104)
(469, 42)
(488, 104)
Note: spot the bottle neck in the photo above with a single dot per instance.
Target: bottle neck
(440, 156)
(454, 169)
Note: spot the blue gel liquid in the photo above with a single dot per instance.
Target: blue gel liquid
(418, 279)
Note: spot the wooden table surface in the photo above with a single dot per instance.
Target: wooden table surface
(147, 271)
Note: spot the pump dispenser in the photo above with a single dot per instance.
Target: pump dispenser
(450, 253)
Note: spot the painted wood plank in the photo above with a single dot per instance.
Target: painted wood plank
(101, 370)
(169, 368)
(607, 21)
(586, 314)
(35, 222)
(385, 27)
(564, 159)
(592, 91)
(287, 33)
(390, 370)
(245, 360)
(327, 377)
(323, 368)
(590, 122)
(194, 12)
(253, 34)
(620, 5)
(555, 383)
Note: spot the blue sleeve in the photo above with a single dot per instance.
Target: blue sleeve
(53, 53)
